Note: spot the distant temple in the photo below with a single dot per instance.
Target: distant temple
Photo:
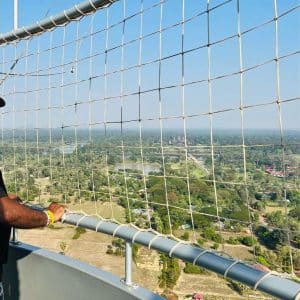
(272, 171)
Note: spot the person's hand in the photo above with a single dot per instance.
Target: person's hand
(58, 210)
(14, 197)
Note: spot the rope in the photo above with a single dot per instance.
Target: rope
(211, 123)
(245, 175)
(282, 138)
(160, 120)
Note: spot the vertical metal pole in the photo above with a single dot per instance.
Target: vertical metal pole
(14, 237)
(128, 263)
(16, 25)
(16, 15)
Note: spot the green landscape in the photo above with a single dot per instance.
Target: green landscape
(235, 195)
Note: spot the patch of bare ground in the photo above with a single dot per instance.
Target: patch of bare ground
(211, 286)
(270, 209)
(239, 251)
(108, 210)
(148, 270)
(47, 238)
(204, 284)
(90, 247)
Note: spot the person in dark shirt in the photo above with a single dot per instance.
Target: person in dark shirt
(14, 214)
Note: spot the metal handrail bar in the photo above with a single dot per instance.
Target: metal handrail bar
(267, 282)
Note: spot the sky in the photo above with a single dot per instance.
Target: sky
(258, 46)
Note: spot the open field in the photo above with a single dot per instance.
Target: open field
(107, 210)
(270, 209)
(296, 157)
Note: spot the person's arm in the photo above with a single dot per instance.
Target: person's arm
(15, 214)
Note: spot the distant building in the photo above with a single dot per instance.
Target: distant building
(272, 171)
(143, 212)
(198, 296)
(185, 226)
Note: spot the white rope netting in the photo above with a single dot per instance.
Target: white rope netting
(179, 117)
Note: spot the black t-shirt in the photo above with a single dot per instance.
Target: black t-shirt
(4, 229)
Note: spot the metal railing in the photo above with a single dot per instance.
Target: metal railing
(50, 23)
(267, 282)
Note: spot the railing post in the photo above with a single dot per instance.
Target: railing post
(128, 263)
(16, 14)
(14, 237)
